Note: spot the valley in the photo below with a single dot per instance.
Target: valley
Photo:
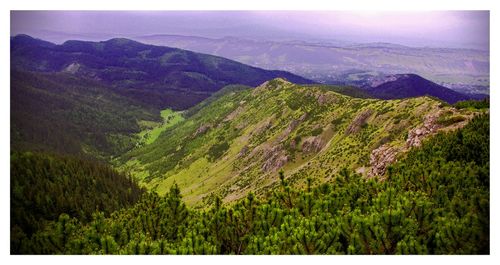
(153, 130)
(123, 147)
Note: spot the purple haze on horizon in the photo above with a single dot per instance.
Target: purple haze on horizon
(458, 29)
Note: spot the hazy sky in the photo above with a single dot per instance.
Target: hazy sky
(468, 29)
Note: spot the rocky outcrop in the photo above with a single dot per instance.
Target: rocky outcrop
(292, 126)
(325, 99)
(202, 129)
(385, 155)
(381, 158)
(274, 158)
(72, 68)
(233, 114)
(358, 122)
(262, 127)
(243, 151)
(312, 144)
(430, 126)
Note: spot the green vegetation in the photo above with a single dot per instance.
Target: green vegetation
(45, 186)
(154, 76)
(170, 118)
(61, 113)
(236, 141)
(346, 90)
(434, 201)
(216, 151)
(473, 104)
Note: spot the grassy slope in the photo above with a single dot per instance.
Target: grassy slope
(153, 130)
(253, 123)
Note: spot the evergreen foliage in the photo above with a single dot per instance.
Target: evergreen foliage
(434, 201)
(53, 187)
(61, 113)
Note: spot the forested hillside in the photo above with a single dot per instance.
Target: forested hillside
(433, 201)
(44, 186)
(155, 76)
(61, 113)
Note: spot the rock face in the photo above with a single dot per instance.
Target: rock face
(274, 158)
(359, 121)
(243, 151)
(312, 144)
(385, 155)
(292, 126)
(202, 129)
(234, 113)
(72, 68)
(381, 158)
(430, 126)
(263, 127)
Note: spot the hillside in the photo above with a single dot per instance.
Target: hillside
(238, 142)
(44, 186)
(154, 76)
(62, 113)
(411, 85)
(433, 201)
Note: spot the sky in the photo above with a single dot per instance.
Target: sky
(458, 29)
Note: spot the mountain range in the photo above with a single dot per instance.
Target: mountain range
(466, 70)
(154, 76)
(102, 98)
(120, 147)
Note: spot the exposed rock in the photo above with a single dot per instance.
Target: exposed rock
(380, 159)
(234, 113)
(243, 151)
(262, 127)
(257, 90)
(292, 126)
(430, 126)
(202, 129)
(274, 158)
(360, 170)
(72, 68)
(312, 144)
(358, 122)
(324, 99)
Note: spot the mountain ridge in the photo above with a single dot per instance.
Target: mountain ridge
(152, 75)
(412, 85)
(238, 142)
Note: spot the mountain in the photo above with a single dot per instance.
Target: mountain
(154, 76)
(238, 142)
(411, 85)
(335, 63)
(63, 113)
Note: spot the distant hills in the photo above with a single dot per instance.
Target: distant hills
(97, 98)
(465, 70)
(411, 85)
(151, 75)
